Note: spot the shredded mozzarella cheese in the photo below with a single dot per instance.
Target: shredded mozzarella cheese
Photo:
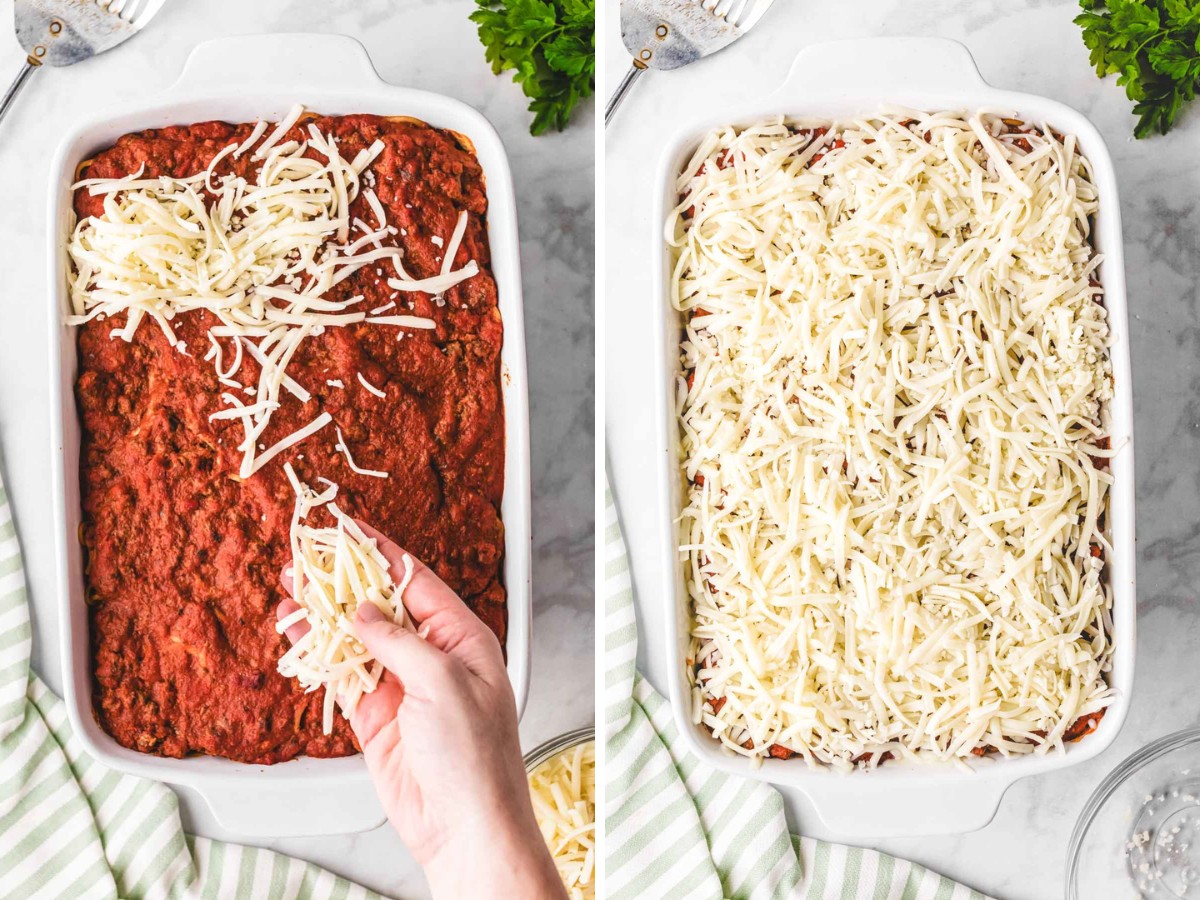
(370, 387)
(345, 451)
(334, 571)
(895, 368)
(563, 789)
(259, 255)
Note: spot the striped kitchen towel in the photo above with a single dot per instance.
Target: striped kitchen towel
(72, 828)
(674, 828)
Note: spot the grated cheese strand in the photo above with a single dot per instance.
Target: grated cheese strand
(334, 570)
(370, 387)
(354, 467)
(891, 414)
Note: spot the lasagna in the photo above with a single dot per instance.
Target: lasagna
(315, 292)
(891, 406)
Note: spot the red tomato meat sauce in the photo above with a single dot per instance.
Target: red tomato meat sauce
(183, 557)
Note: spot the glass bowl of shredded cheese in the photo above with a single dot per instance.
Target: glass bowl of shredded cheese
(562, 783)
(1139, 834)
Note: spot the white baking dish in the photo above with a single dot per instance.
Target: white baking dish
(837, 80)
(243, 79)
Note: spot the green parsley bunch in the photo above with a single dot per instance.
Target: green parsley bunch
(551, 47)
(1153, 47)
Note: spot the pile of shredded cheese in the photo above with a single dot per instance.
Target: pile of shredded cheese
(334, 570)
(258, 255)
(894, 371)
(563, 789)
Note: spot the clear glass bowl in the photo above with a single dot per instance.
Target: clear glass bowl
(548, 750)
(543, 752)
(1138, 837)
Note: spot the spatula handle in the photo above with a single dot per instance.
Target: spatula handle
(10, 95)
(622, 89)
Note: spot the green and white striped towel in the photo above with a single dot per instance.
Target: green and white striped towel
(676, 829)
(72, 828)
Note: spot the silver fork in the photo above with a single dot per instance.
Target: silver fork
(667, 34)
(64, 32)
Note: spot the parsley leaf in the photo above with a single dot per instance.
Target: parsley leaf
(1153, 47)
(549, 45)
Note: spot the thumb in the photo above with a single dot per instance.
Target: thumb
(402, 650)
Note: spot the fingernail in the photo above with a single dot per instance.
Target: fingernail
(423, 632)
(369, 612)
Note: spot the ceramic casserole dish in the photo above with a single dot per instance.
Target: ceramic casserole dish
(928, 74)
(243, 79)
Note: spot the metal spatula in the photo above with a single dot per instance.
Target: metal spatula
(667, 34)
(64, 32)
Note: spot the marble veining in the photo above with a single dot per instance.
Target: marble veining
(429, 45)
(1026, 46)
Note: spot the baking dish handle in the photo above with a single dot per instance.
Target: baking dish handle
(859, 66)
(903, 809)
(277, 811)
(278, 61)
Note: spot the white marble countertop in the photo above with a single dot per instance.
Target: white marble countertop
(1023, 45)
(428, 45)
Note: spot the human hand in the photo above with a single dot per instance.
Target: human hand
(439, 735)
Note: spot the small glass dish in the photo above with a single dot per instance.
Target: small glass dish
(543, 752)
(1138, 836)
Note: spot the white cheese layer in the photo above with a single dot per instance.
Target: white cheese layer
(891, 412)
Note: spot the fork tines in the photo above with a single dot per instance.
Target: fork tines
(738, 13)
(135, 12)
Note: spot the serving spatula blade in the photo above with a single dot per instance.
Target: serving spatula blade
(669, 34)
(64, 32)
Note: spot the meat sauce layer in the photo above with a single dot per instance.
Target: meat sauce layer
(183, 558)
